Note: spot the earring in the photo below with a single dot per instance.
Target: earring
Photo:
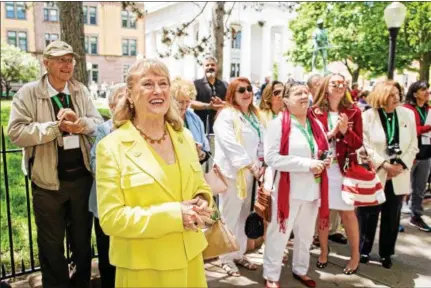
(131, 105)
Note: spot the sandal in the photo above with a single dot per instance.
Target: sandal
(350, 271)
(247, 264)
(271, 284)
(322, 265)
(231, 269)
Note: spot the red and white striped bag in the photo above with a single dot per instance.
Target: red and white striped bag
(362, 187)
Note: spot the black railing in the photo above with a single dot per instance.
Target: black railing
(12, 267)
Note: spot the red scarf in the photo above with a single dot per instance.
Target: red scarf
(284, 185)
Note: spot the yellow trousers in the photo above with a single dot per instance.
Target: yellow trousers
(191, 276)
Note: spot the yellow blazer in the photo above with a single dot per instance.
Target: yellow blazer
(137, 209)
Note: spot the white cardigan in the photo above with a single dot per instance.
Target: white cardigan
(375, 142)
(230, 155)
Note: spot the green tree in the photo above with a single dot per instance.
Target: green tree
(357, 33)
(16, 65)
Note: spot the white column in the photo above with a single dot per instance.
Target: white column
(227, 58)
(266, 52)
(284, 66)
(150, 45)
(245, 68)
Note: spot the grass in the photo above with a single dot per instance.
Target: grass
(18, 203)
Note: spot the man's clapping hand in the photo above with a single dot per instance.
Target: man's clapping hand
(71, 127)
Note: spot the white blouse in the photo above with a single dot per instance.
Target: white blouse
(302, 183)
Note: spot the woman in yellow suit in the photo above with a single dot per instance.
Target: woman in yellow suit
(152, 196)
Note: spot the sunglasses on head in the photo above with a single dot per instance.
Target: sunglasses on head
(241, 90)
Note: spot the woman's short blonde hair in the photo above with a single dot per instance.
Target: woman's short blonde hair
(183, 87)
(124, 111)
(378, 98)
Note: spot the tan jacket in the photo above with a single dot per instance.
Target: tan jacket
(32, 125)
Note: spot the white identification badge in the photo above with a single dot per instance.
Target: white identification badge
(260, 153)
(426, 140)
(380, 197)
(71, 142)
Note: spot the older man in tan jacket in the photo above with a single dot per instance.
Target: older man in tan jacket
(53, 119)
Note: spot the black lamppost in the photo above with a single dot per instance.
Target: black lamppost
(394, 18)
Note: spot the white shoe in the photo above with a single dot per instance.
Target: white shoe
(405, 209)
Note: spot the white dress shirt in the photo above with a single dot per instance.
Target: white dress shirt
(52, 92)
(298, 162)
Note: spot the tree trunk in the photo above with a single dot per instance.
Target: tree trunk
(355, 75)
(72, 32)
(218, 33)
(424, 67)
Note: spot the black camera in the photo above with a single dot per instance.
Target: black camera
(393, 150)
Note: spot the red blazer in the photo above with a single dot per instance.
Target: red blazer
(348, 143)
(419, 128)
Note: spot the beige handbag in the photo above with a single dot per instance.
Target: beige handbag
(216, 180)
(220, 240)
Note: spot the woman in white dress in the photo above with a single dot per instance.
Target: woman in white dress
(238, 153)
(343, 124)
(294, 142)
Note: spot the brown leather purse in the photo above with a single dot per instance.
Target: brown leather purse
(216, 180)
(263, 204)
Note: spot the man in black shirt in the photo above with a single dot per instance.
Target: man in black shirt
(211, 94)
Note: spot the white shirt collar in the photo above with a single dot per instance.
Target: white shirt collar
(52, 92)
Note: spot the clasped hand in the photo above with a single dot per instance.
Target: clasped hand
(69, 121)
(196, 213)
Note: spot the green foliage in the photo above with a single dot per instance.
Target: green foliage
(275, 71)
(17, 65)
(358, 34)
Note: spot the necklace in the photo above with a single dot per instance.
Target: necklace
(151, 140)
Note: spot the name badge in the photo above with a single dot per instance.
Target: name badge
(426, 140)
(260, 153)
(71, 142)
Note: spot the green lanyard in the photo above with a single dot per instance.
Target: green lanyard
(390, 127)
(253, 122)
(274, 115)
(308, 134)
(423, 116)
(58, 102)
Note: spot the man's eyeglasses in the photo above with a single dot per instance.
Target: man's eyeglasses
(62, 60)
(241, 90)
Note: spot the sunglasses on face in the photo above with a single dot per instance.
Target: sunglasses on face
(241, 90)
(277, 92)
(337, 84)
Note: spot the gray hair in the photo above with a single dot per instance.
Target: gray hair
(311, 78)
(210, 57)
(113, 91)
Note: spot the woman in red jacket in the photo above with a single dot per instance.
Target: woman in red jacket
(343, 123)
(417, 100)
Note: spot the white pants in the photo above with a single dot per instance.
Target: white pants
(301, 221)
(234, 212)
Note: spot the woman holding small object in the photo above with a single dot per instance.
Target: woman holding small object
(294, 142)
(152, 196)
(343, 124)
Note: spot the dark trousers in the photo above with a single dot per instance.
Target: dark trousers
(56, 211)
(389, 222)
(107, 271)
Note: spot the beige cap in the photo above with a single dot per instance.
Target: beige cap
(58, 48)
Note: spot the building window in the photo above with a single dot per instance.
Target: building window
(50, 37)
(50, 12)
(94, 73)
(128, 19)
(234, 70)
(90, 15)
(129, 47)
(15, 10)
(91, 45)
(126, 68)
(17, 39)
(236, 40)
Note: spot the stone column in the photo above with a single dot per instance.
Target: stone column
(245, 68)
(266, 52)
(284, 67)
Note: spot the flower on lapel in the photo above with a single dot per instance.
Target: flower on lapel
(318, 111)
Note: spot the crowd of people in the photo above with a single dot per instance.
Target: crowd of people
(140, 177)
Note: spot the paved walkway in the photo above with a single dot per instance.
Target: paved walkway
(411, 268)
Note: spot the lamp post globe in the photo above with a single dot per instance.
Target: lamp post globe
(395, 14)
